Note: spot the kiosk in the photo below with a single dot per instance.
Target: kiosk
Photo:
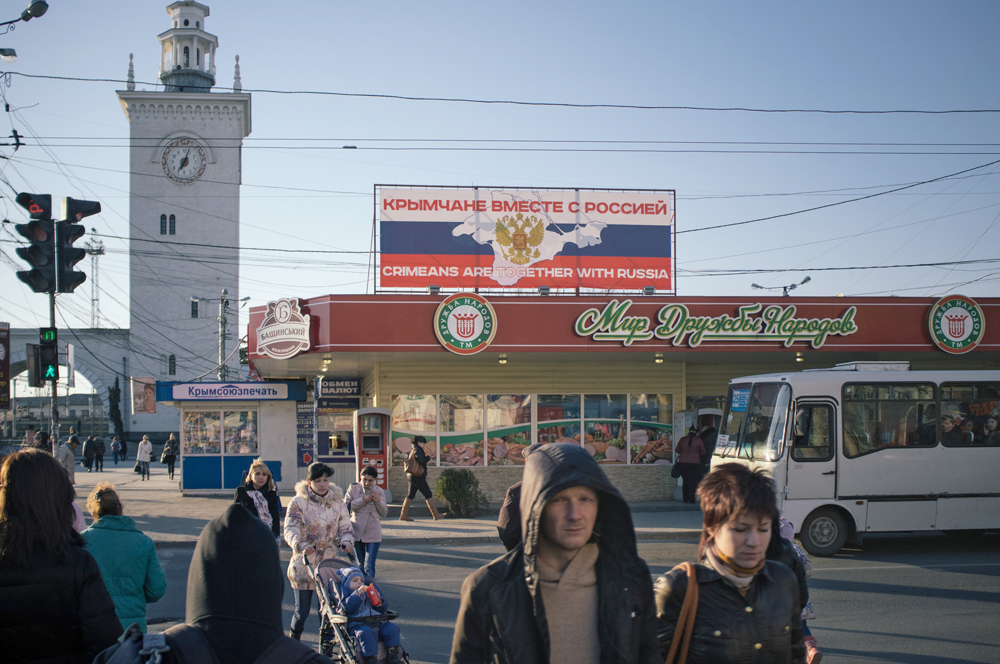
(371, 433)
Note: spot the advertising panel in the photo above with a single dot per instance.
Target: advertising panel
(4, 366)
(526, 238)
(143, 395)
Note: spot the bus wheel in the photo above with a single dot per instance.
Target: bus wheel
(824, 532)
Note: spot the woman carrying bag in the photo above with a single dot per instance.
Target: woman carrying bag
(169, 455)
(733, 605)
(416, 477)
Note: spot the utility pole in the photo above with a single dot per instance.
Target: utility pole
(223, 305)
(54, 384)
(95, 248)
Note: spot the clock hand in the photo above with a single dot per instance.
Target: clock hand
(184, 162)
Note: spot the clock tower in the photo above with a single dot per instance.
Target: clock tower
(184, 216)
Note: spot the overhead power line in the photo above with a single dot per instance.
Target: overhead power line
(830, 205)
(730, 272)
(550, 104)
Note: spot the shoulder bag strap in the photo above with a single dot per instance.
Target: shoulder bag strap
(685, 622)
(190, 645)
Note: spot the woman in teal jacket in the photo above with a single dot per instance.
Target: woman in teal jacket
(127, 558)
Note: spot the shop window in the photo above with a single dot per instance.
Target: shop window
(559, 418)
(173, 225)
(241, 431)
(604, 426)
(461, 419)
(883, 416)
(969, 414)
(413, 415)
(650, 437)
(163, 224)
(202, 432)
(508, 428)
(812, 435)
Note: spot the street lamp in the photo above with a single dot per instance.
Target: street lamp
(784, 289)
(35, 9)
(8, 54)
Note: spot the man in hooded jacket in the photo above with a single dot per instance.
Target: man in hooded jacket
(234, 593)
(598, 608)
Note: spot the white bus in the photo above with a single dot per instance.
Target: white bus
(870, 447)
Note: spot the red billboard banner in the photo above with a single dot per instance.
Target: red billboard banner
(482, 237)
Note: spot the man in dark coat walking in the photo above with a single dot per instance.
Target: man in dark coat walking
(575, 588)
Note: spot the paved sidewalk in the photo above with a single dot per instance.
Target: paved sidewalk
(173, 520)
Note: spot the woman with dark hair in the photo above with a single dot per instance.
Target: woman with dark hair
(690, 451)
(366, 502)
(748, 607)
(169, 455)
(418, 482)
(316, 523)
(53, 603)
(127, 558)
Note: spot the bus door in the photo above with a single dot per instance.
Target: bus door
(812, 458)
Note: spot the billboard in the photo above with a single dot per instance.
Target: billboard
(480, 237)
(143, 395)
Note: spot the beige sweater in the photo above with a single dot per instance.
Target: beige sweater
(570, 600)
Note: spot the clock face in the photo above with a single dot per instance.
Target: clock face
(184, 160)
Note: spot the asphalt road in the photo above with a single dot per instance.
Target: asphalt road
(918, 599)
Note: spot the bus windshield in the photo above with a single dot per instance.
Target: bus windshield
(755, 421)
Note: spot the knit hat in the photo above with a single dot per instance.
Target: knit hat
(347, 574)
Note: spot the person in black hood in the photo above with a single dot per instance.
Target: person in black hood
(234, 592)
(575, 588)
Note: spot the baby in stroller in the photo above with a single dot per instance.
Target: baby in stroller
(356, 599)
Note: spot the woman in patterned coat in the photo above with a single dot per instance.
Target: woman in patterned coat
(316, 523)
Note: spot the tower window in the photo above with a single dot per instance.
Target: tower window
(163, 224)
(163, 364)
(187, 56)
(186, 23)
(172, 365)
(173, 225)
(197, 56)
(194, 308)
(197, 24)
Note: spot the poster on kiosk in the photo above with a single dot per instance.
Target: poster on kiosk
(371, 431)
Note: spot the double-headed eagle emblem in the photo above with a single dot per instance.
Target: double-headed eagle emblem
(518, 237)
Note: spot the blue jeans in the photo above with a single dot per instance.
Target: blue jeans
(367, 552)
(387, 632)
(145, 469)
(114, 455)
(303, 600)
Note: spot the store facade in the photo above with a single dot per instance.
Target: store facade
(225, 426)
(481, 377)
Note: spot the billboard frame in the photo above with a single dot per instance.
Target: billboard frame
(375, 247)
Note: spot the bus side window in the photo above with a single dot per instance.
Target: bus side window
(883, 415)
(813, 433)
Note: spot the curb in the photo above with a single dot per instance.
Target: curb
(645, 536)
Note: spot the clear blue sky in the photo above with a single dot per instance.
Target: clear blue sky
(846, 55)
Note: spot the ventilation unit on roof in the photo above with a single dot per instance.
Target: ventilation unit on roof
(868, 366)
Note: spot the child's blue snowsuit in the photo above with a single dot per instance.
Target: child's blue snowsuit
(356, 605)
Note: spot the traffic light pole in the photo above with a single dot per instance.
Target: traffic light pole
(54, 419)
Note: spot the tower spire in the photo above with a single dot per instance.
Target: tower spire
(187, 52)
(237, 84)
(130, 83)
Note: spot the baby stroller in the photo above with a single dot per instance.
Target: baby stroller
(335, 641)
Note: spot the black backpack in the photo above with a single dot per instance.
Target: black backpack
(184, 644)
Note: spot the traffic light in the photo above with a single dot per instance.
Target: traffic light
(68, 232)
(34, 376)
(40, 232)
(47, 364)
